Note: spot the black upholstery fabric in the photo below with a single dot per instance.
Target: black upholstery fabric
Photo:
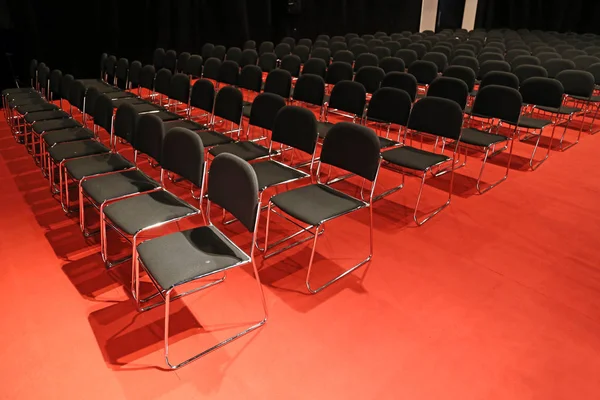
(67, 135)
(54, 124)
(390, 64)
(149, 135)
(296, 127)
(465, 74)
(413, 158)
(232, 185)
(144, 107)
(179, 88)
(553, 67)
(314, 204)
(479, 138)
(354, 148)
(77, 95)
(491, 66)
(165, 115)
(207, 50)
(80, 148)
(565, 110)
(36, 107)
(338, 72)
(162, 81)
(234, 54)
(125, 121)
(310, 89)
(291, 63)
(270, 173)
(449, 88)
(498, 102)
(408, 56)
(229, 72)
(365, 60)
(32, 117)
(147, 77)
(390, 105)
(112, 186)
(194, 66)
(247, 151)
(315, 66)
(229, 104)
(302, 52)
(249, 57)
(184, 256)
(264, 109)
(439, 59)
(542, 92)
(525, 72)
(138, 212)
(103, 112)
(267, 62)
(251, 78)
(437, 116)
(203, 95)
(403, 81)
(98, 164)
(370, 77)
(212, 138)
(183, 154)
(424, 71)
(345, 56)
(211, 68)
(500, 78)
(135, 74)
(279, 82)
(577, 83)
(348, 96)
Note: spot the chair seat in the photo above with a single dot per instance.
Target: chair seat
(117, 185)
(593, 99)
(323, 128)
(67, 135)
(184, 256)
(384, 143)
(166, 115)
(271, 173)
(54, 124)
(533, 123)
(145, 107)
(245, 150)
(97, 83)
(9, 91)
(314, 204)
(184, 123)
(413, 158)
(479, 138)
(33, 98)
(32, 117)
(80, 148)
(138, 212)
(213, 138)
(247, 110)
(130, 100)
(118, 95)
(565, 110)
(36, 107)
(98, 164)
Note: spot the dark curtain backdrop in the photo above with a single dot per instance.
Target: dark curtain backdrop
(71, 34)
(553, 15)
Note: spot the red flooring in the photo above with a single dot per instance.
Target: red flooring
(498, 297)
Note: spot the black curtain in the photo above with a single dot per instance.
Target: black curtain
(551, 15)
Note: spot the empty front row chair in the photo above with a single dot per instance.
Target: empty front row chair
(349, 147)
(498, 106)
(431, 116)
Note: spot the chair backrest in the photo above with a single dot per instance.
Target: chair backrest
(554, 66)
(577, 83)
(111, 66)
(233, 185)
(344, 56)
(229, 72)
(183, 154)
(229, 104)
(439, 59)
(391, 64)
(393, 46)
(55, 80)
(207, 50)
(182, 61)
(291, 63)
(373, 44)
(234, 54)
(354, 148)
(171, 60)
(219, 52)
(162, 83)
(524, 60)
(103, 112)
(321, 44)
(305, 42)
(408, 56)
(548, 56)
(279, 82)
(545, 92)
(572, 53)
(147, 77)
(465, 74)
(359, 49)
(525, 72)
(366, 60)
(282, 49)
(203, 95)
(249, 57)
(500, 78)
(77, 95)
(424, 71)
(403, 81)
(418, 48)
(322, 53)
(390, 105)
(512, 54)
(267, 62)
(264, 109)
(502, 102)
(125, 121)
(250, 45)
(122, 72)
(179, 88)
(449, 88)
(158, 58)
(302, 52)
(382, 52)
(437, 116)
(149, 136)
(135, 74)
(470, 62)
(211, 68)
(296, 127)
(490, 57)
(251, 78)
(194, 66)
(492, 66)
(290, 41)
(65, 85)
(447, 51)
(594, 69)
(315, 66)
(310, 89)
(337, 47)
(370, 77)
(91, 96)
(583, 62)
(491, 50)
(348, 96)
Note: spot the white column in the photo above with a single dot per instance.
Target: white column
(428, 15)
(469, 15)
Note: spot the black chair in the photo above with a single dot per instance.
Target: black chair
(543, 57)
(179, 94)
(496, 50)
(370, 77)
(202, 97)
(583, 62)
(292, 64)
(591, 50)
(393, 46)
(207, 51)
(525, 72)
(391, 64)
(310, 91)
(323, 37)
(344, 56)
(249, 57)
(305, 42)
(447, 51)
(99, 190)
(228, 108)
(424, 71)
(470, 62)
(322, 53)
(211, 69)
(570, 54)
(359, 49)
(229, 73)
(500, 78)
(555, 66)
(403, 81)
(355, 41)
(194, 66)
(267, 62)
(266, 47)
(137, 215)
(147, 77)
(135, 75)
(350, 147)
(282, 50)
(495, 105)
(404, 42)
(122, 74)
(250, 80)
(170, 61)
(446, 126)
(264, 109)
(381, 52)
(347, 99)
(418, 48)
(492, 66)
(544, 92)
(450, 88)
(315, 66)
(512, 54)
(182, 61)
(366, 60)
(302, 52)
(465, 53)
(336, 47)
(465, 74)
(388, 106)
(337, 72)
(524, 60)
(490, 57)
(408, 56)
(439, 59)
(321, 44)
(162, 84)
(250, 45)
(219, 52)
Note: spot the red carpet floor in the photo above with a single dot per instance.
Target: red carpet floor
(496, 298)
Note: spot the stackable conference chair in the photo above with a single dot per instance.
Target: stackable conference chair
(425, 72)
(305, 42)
(345, 56)
(583, 62)
(219, 52)
(179, 94)
(228, 74)
(389, 107)
(382, 52)
(349, 147)
(524, 60)
(408, 56)
(251, 82)
(450, 88)
(267, 62)
(465, 74)
(447, 51)
(266, 47)
(323, 53)
(122, 74)
(138, 214)
(347, 99)
(432, 117)
(439, 59)
(111, 67)
(282, 50)
(365, 60)
(182, 61)
(278, 82)
(202, 98)
(548, 56)
(315, 66)
(525, 72)
(264, 109)
(492, 66)
(321, 44)
(147, 77)
(135, 75)
(359, 49)
(555, 66)
(403, 81)
(309, 91)
(490, 57)
(495, 106)
(193, 67)
(370, 77)
(539, 92)
(211, 69)
(158, 58)
(292, 64)
(234, 54)
(470, 62)
(391, 64)
(464, 53)
(185, 257)
(250, 45)
(249, 57)
(98, 190)
(514, 53)
(302, 52)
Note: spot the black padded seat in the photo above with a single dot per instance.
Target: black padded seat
(11, 91)
(107, 89)
(199, 252)
(131, 100)
(55, 124)
(384, 143)
(118, 95)
(533, 123)
(75, 149)
(247, 110)
(32, 117)
(145, 107)
(479, 138)
(562, 110)
(213, 138)
(27, 100)
(247, 151)
(592, 99)
(315, 204)
(117, 185)
(99, 164)
(96, 83)
(270, 173)
(323, 128)
(166, 115)
(413, 158)
(67, 135)
(24, 109)
(184, 123)
(138, 212)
